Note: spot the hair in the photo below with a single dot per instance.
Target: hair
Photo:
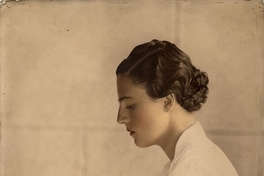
(162, 68)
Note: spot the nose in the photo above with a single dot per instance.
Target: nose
(122, 118)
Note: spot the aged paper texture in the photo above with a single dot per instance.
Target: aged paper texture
(58, 84)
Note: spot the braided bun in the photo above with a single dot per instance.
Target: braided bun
(199, 88)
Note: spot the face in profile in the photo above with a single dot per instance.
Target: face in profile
(144, 117)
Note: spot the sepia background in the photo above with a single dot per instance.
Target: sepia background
(58, 94)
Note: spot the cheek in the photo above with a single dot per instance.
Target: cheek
(155, 119)
(146, 118)
(139, 118)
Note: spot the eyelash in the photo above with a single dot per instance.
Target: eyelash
(131, 106)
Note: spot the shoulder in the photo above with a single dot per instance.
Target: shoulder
(199, 161)
(201, 157)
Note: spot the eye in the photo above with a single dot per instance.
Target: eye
(131, 106)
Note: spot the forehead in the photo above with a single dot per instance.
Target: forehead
(125, 87)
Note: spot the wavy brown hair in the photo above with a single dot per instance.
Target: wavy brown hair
(162, 68)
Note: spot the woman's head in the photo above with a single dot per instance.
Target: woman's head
(162, 69)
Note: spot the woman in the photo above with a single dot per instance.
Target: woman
(158, 89)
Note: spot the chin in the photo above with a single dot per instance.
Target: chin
(142, 144)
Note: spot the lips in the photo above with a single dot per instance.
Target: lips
(131, 132)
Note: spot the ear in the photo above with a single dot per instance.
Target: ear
(169, 102)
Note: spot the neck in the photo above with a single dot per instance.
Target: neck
(180, 121)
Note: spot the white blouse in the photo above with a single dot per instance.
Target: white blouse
(196, 155)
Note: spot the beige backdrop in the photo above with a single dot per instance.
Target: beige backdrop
(58, 95)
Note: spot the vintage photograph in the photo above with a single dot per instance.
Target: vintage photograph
(132, 88)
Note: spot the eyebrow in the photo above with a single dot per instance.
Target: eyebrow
(122, 98)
